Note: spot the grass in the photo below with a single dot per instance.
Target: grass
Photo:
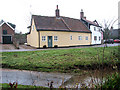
(60, 60)
(6, 85)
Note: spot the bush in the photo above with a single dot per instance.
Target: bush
(112, 81)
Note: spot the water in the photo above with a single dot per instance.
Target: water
(59, 79)
(33, 78)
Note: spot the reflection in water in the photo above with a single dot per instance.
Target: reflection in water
(59, 79)
(90, 80)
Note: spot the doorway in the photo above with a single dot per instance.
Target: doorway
(49, 41)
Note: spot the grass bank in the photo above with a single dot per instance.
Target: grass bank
(6, 86)
(62, 60)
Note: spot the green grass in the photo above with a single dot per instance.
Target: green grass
(6, 85)
(61, 60)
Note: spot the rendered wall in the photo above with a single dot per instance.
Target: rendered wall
(32, 38)
(64, 38)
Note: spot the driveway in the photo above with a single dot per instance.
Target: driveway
(7, 47)
(11, 48)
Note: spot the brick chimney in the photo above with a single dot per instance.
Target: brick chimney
(81, 14)
(57, 12)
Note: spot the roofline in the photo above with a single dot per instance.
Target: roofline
(91, 23)
(85, 25)
(8, 25)
(62, 30)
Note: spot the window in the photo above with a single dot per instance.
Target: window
(55, 38)
(4, 31)
(79, 37)
(94, 28)
(86, 38)
(43, 38)
(99, 38)
(95, 38)
(70, 37)
(33, 27)
(99, 30)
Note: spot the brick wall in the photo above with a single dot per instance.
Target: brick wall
(10, 31)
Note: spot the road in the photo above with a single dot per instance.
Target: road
(22, 49)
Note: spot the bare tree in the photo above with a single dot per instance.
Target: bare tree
(107, 26)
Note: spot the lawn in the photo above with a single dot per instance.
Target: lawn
(60, 60)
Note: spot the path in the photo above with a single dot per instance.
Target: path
(25, 48)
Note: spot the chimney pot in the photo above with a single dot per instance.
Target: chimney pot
(57, 6)
(57, 12)
(81, 14)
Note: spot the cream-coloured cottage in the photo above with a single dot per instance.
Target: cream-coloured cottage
(57, 31)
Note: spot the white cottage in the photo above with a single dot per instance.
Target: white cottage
(94, 27)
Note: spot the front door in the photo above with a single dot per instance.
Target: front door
(49, 41)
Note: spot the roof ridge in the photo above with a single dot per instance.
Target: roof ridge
(92, 22)
(43, 16)
(65, 23)
(7, 24)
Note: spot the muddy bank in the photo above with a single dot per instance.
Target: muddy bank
(98, 66)
(71, 69)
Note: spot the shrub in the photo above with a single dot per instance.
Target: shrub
(112, 81)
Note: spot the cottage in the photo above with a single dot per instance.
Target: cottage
(97, 34)
(7, 31)
(57, 31)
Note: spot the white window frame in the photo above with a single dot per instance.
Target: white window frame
(86, 38)
(55, 38)
(70, 37)
(43, 38)
(79, 37)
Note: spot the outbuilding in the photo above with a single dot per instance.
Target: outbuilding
(7, 31)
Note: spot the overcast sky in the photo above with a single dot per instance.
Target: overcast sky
(19, 12)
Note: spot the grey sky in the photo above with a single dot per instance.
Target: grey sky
(19, 12)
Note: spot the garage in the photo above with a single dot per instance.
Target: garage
(7, 39)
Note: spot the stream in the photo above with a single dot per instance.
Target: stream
(25, 77)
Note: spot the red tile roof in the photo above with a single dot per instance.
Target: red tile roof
(59, 24)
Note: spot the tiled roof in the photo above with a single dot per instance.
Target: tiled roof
(62, 24)
(91, 22)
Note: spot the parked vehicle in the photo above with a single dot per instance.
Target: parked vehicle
(117, 41)
(109, 41)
